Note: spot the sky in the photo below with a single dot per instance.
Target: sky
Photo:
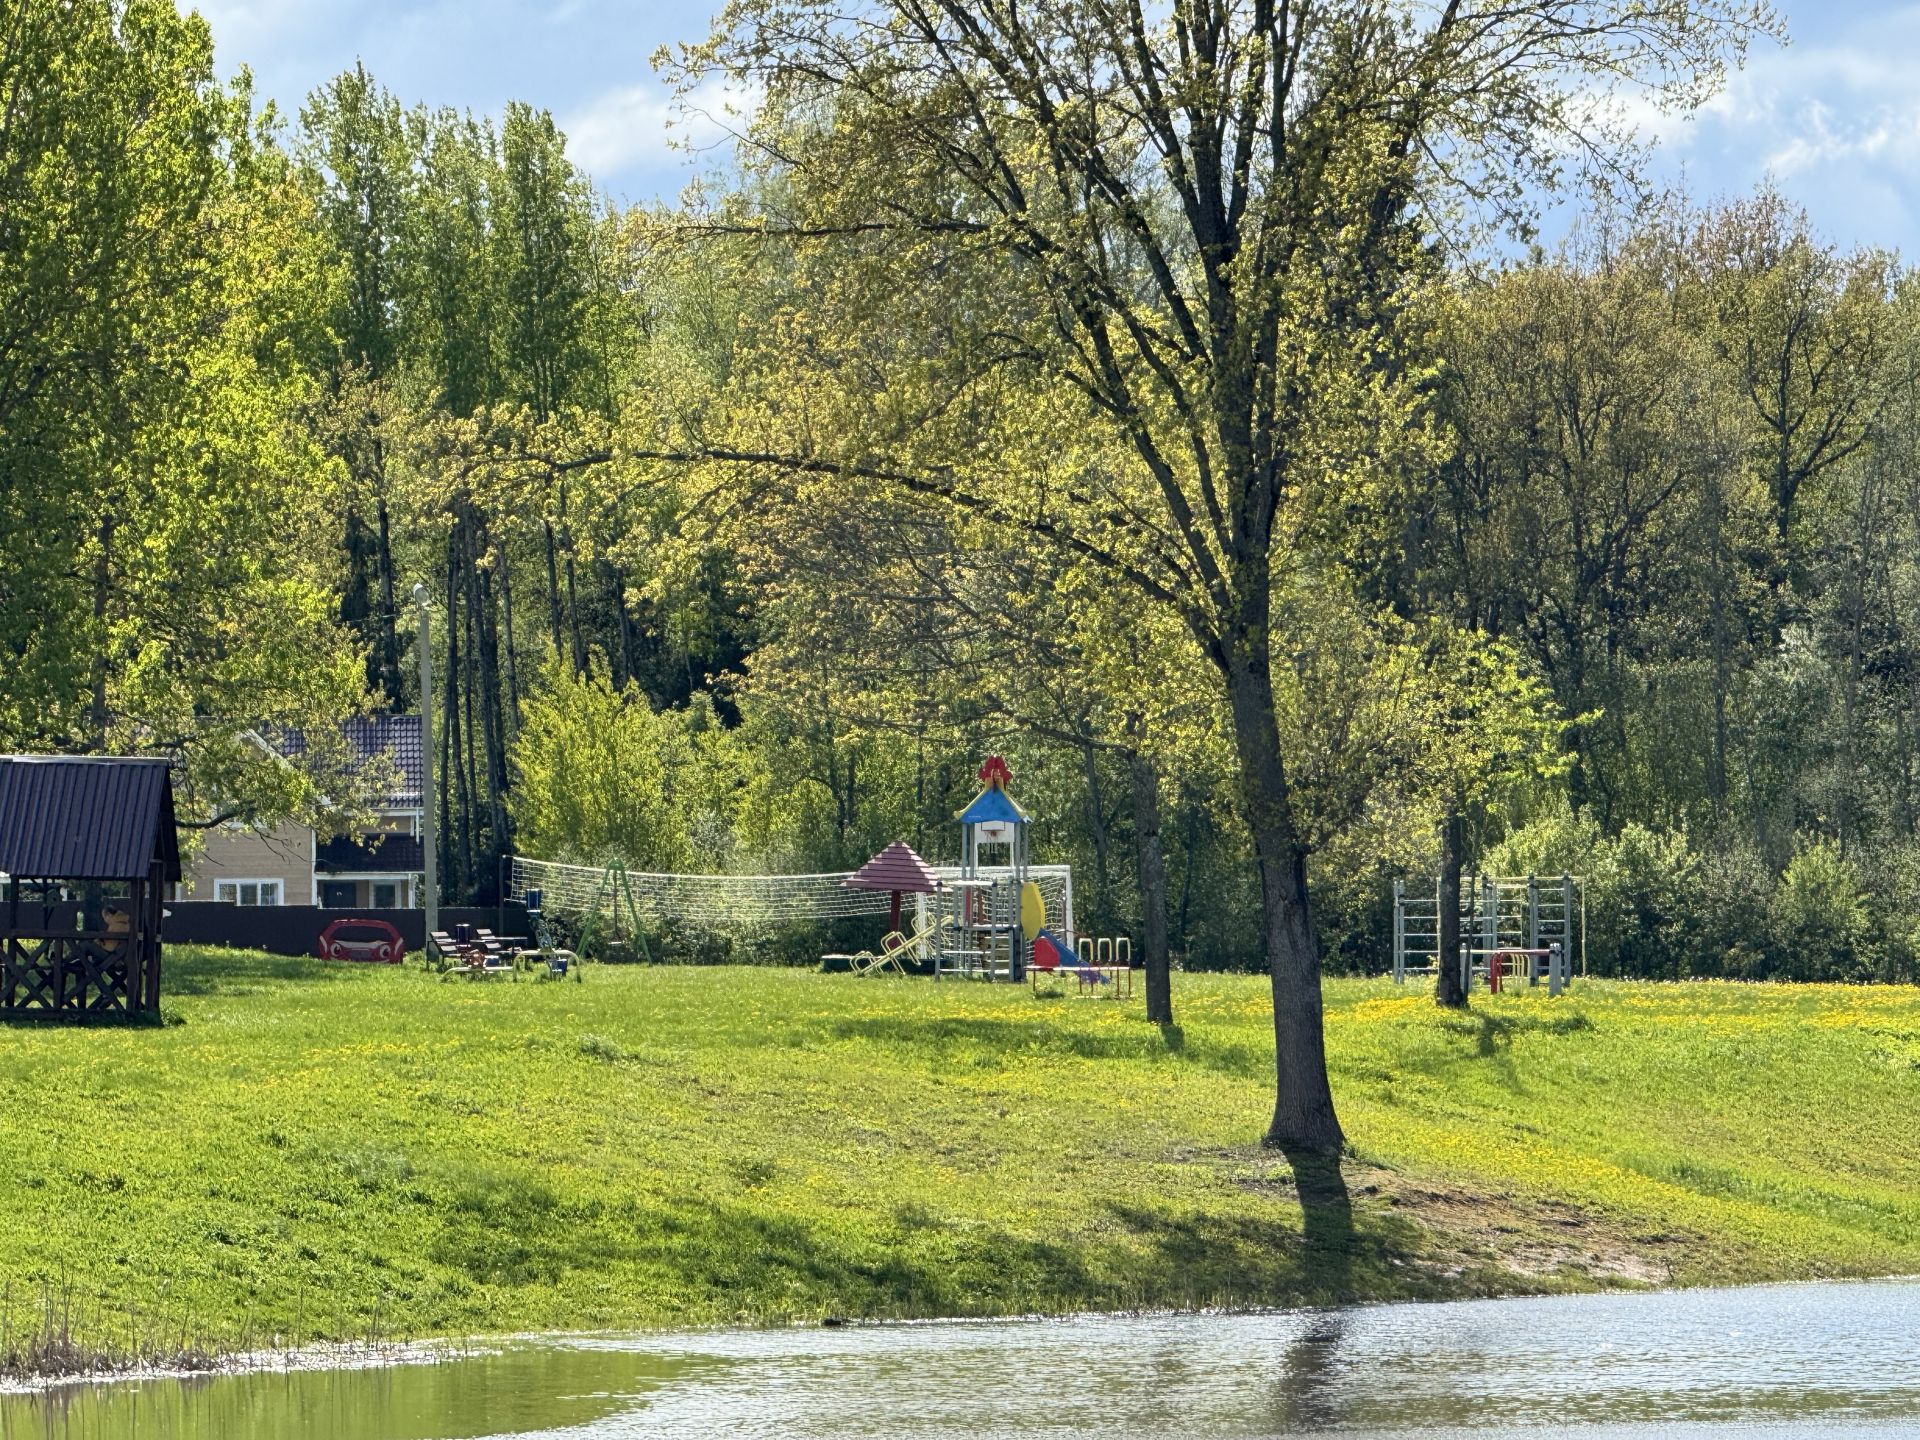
(1833, 118)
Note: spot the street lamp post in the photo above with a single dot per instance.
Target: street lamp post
(429, 838)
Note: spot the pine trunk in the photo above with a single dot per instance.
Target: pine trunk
(554, 619)
(387, 645)
(574, 633)
(458, 845)
(506, 630)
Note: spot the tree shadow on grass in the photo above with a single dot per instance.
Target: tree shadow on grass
(701, 1257)
(199, 971)
(948, 1037)
(1326, 1220)
(1329, 1258)
(732, 1262)
(745, 1261)
(1492, 1034)
(209, 971)
(1491, 1038)
(83, 1019)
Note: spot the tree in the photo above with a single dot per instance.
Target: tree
(1805, 330)
(1204, 224)
(359, 148)
(161, 586)
(591, 781)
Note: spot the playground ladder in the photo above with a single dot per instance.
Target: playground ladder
(1520, 912)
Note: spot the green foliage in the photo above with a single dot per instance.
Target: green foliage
(1660, 906)
(591, 777)
(1822, 927)
(835, 497)
(161, 584)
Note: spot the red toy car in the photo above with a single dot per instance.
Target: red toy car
(374, 941)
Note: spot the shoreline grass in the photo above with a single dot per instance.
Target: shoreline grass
(315, 1153)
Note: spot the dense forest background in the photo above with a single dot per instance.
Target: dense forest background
(1630, 587)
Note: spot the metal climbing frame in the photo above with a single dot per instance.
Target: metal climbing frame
(1497, 912)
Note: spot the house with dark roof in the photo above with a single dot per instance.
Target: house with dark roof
(378, 865)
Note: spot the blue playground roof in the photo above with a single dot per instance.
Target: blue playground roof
(992, 804)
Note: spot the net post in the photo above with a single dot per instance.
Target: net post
(1399, 934)
(1533, 929)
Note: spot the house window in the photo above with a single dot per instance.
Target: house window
(386, 897)
(247, 892)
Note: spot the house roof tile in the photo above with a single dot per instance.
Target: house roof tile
(396, 737)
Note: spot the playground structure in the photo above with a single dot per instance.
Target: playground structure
(975, 920)
(987, 920)
(1520, 927)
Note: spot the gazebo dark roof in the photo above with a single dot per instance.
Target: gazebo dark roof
(895, 868)
(73, 817)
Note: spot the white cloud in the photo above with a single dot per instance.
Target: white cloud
(1833, 122)
(646, 126)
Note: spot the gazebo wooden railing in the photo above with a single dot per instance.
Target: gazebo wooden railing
(92, 972)
(48, 969)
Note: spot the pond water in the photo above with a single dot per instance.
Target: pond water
(1780, 1361)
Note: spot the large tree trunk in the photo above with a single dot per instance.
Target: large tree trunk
(1303, 1114)
(469, 730)
(356, 595)
(576, 637)
(1190, 831)
(1717, 757)
(1153, 890)
(622, 650)
(492, 726)
(457, 861)
(1448, 990)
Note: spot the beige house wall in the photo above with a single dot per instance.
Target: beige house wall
(284, 853)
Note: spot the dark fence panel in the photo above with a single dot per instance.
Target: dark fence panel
(292, 929)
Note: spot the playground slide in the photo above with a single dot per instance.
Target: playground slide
(1050, 952)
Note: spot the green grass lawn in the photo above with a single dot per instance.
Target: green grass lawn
(333, 1151)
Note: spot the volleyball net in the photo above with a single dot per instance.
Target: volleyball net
(733, 903)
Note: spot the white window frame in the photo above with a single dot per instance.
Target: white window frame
(373, 894)
(227, 890)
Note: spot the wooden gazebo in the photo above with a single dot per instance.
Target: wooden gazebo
(87, 849)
